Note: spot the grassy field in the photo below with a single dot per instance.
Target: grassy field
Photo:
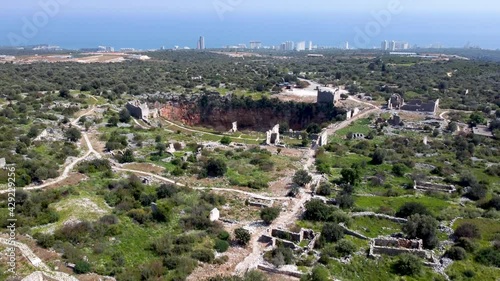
(374, 227)
(363, 269)
(373, 203)
(489, 229)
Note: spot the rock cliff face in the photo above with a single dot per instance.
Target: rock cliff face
(251, 115)
(220, 119)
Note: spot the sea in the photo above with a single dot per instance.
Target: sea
(324, 30)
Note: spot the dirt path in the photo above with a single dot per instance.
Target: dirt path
(139, 124)
(297, 204)
(255, 195)
(37, 262)
(206, 133)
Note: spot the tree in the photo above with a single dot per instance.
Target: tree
(73, 134)
(350, 176)
(452, 126)
(408, 264)
(467, 230)
(399, 169)
(412, 208)
(215, 168)
(305, 139)
(166, 191)
(225, 140)
(316, 210)
(324, 189)
(124, 116)
(64, 93)
(344, 248)
(301, 178)
(423, 227)
(269, 214)
(345, 200)
(161, 147)
(242, 235)
(127, 157)
(332, 232)
(456, 253)
(378, 156)
(477, 118)
(313, 129)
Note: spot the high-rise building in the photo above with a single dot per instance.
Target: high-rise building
(289, 46)
(301, 46)
(310, 46)
(347, 45)
(201, 43)
(255, 45)
(392, 46)
(385, 45)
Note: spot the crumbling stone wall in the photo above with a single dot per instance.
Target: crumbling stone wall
(394, 247)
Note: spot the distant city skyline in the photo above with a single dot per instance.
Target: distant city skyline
(152, 24)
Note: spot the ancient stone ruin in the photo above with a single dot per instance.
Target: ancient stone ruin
(429, 186)
(140, 110)
(357, 136)
(214, 214)
(258, 202)
(326, 95)
(234, 128)
(323, 139)
(395, 120)
(396, 102)
(352, 113)
(394, 247)
(273, 135)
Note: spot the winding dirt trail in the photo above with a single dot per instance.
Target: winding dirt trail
(37, 262)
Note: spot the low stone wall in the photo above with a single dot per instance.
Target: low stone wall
(381, 216)
(397, 251)
(287, 235)
(428, 186)
(270, 269)
(347, 231)
(260, 203)
(267, 239)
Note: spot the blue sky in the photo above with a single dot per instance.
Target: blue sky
(251, 6)
(155, 23)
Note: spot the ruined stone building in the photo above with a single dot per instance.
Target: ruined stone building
(397, 102)
(326, 95)
(141, 110)
(273, 135)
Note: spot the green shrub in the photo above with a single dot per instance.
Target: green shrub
(221, 245)
(203, 255)
(242, 235)
(489, 257)
(467, 230)
(269, 214)
(332, 232)
(225, 140)
(467, 244)
(344, 248)
(412, 208)
(224, 235)
(456, 253)
(408, 264)
(82, 267)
